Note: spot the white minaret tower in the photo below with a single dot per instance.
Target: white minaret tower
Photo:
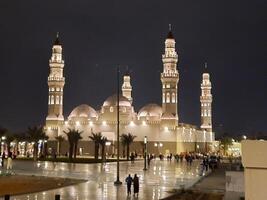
(206, 101)
(126, 86)
(170, 77)
(56, 82)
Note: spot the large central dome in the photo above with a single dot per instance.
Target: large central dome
(150, 110)
(83, 111)
(112, 101)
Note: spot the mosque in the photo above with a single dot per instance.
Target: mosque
(159, 123)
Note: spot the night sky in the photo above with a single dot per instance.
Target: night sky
(97, 36)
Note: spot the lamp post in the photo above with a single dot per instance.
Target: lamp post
(118, 182)
(145, 153)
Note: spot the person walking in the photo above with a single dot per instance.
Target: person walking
(136, 185)
(9, 161)
(3, 159)
(129, 181)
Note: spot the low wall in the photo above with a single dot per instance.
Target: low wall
(234, 181)
(254, 159)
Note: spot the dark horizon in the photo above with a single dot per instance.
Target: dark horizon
(96, 38)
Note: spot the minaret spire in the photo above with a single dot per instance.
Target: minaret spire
(206, 101)
(170, 27)
(56, 82)
(57, 42)
(126, 86)
(170, 77)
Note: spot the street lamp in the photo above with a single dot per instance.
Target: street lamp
(145, 152)
(118, 182)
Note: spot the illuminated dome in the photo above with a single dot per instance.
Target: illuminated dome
(151, 110)
(112, 101)
(83, 111)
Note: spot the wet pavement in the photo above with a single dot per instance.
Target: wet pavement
(161, 177)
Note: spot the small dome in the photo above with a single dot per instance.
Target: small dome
(83, 111)
(112, 101)
(151, 110)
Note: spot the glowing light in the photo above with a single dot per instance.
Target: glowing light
(66, 122)
(108, 143)
(91, 123)
(77, 123)
(49, 128)
(166, 128)
(3, 137)
(131, 123)
(160, 144)
(104, 123)
(144, 123)
(156, 144)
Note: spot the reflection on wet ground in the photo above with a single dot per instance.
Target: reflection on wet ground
(161, 177)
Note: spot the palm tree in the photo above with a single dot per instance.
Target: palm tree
(3, 131)
(19, 137)
(10, 137)
(225, 142)
(123, 143)
(34, 134)
(128, 140)
(73, 138)
(77, 137)
(59, 139)
(96, 138)
(103, 145)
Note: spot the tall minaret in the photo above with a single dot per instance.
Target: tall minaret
(126, 86)
(206, 101)
(56, 82)
(170, 77)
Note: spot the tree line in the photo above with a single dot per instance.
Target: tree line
(36, 134)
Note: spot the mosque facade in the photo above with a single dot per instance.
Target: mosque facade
(159, 123)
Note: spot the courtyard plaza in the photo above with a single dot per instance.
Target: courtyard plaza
(161, 177)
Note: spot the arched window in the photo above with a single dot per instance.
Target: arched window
(111, 109)
(52, 99)
(49, 100)
(173, 97)
(168, 98)
(57, 99)
(205, 113)
(61, 100)
(163, 97)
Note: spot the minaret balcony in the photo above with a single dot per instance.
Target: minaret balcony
(56, 79)
(169, 75)
(60, 62)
